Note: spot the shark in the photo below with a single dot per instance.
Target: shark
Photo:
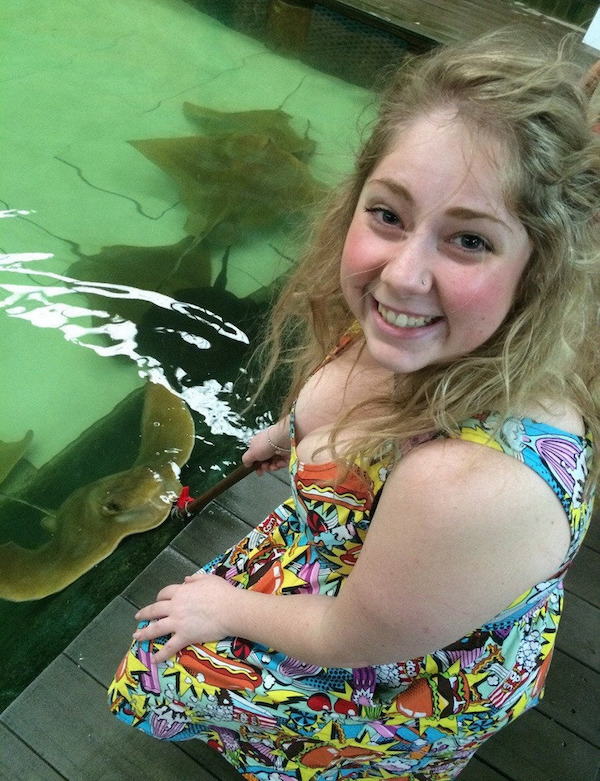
(93, 520)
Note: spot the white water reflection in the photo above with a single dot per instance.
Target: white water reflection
(211, 400)
(13, 263)
(196, 341)
(43, 305)
(15, 213)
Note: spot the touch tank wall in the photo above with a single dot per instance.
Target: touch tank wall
(161, 159)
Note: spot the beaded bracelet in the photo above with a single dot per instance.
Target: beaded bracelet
(281, 451)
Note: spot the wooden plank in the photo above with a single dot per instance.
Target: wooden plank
(98, 650)
(477, 771)
(19, 763)
(209, 534)
(254, 497)
(583, 578)
(579, 631)
(572, 698)
(64, 715)
(535, 748)
(441, 21)
(284, 476)
(168, 567)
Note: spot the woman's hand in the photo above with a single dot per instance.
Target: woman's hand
(194, 611)
(270, 448)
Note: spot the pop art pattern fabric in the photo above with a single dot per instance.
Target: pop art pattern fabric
(277, 719)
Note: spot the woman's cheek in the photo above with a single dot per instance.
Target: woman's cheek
(481, 304)
(359, 256)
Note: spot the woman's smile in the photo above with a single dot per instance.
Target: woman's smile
(404, 319)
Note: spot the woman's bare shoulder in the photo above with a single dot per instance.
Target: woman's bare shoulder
(479, 487)
(460, 531)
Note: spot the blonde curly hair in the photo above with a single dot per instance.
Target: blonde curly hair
(531, 100)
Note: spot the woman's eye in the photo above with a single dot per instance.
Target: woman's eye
(384, 215)
(472, 242)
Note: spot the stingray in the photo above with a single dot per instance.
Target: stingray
(166, 268)
(273, 123)
(171, 336)
(11, 453)
(92, 521)
(233, 182)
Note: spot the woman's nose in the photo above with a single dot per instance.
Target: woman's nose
(408, 268)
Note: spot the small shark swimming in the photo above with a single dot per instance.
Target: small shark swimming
(92, 521)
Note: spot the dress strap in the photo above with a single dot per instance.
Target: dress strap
(348, 337)
(559, 457)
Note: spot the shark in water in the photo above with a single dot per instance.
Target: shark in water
(92, 521)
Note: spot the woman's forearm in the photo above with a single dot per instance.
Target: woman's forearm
(206, 608)
(309, 627)
(280, 432)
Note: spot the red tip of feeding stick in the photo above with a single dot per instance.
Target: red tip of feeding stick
(184, 498)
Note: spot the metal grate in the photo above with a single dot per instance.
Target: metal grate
(350, 49)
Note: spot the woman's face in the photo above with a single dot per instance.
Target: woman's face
(432, 258)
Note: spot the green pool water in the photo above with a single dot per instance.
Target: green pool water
(80, 79)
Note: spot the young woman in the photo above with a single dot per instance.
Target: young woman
(402, 606)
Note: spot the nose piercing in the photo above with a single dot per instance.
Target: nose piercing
(423, 281)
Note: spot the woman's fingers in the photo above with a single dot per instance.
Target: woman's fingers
(168, 592)
(153, 612)
(154, 629)
(168, 650)
(176, 614)
(159, 609)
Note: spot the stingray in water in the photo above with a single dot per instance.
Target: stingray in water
(245, 174)
(89, 525)
(11, 453)
(172, 337)
(233, 182)
(166, 268)
(273, 123)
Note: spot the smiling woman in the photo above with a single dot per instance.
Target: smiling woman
(402, 606)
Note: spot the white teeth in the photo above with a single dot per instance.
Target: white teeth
(402, 320)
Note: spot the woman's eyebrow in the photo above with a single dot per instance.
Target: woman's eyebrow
(461, 212)
(464, 213)
(395, 187)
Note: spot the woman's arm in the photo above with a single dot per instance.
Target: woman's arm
(270, 447)
(206, 607)
(460, 532)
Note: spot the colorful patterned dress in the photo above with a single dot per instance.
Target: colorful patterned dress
(277, 719)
